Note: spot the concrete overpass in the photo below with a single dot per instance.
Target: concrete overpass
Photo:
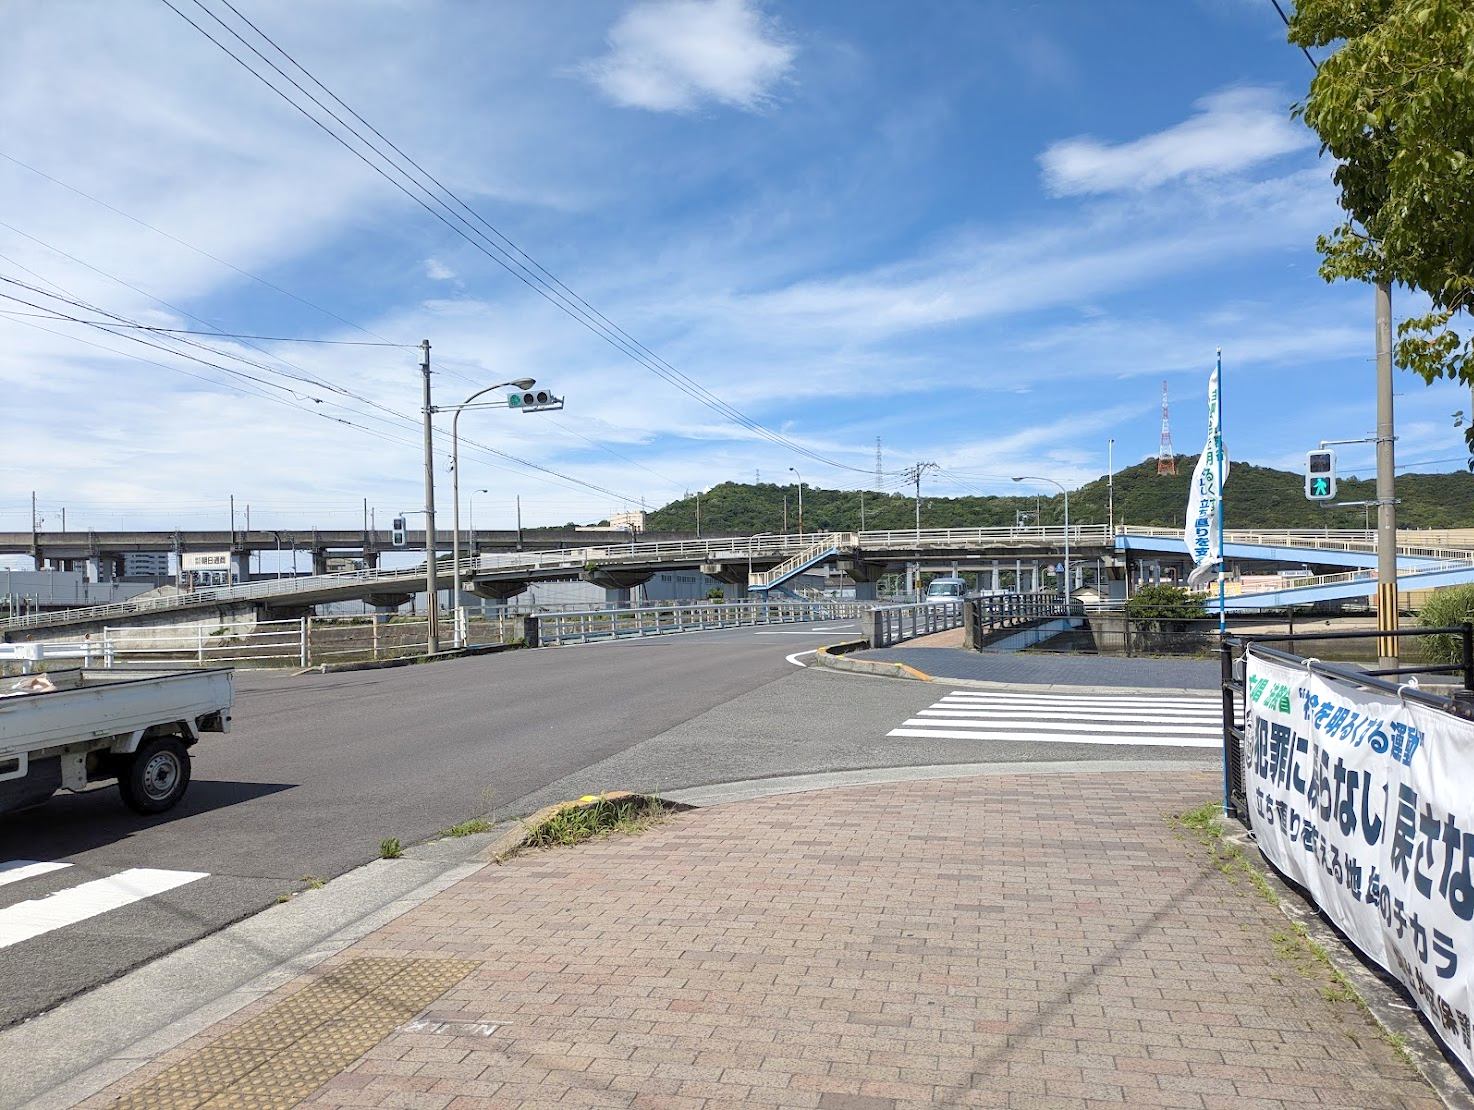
(70, 550)
(758, 563)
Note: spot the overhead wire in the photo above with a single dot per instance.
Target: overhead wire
(107, 326)
(530, 273)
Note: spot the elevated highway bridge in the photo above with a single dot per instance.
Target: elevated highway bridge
(1341, 565)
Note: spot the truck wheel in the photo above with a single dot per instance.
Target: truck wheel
(156, 777)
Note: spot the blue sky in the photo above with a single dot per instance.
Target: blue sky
(984, 232)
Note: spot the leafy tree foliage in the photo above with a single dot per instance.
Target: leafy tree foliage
(1165, 603)
(1395, 106)
(1255, 497)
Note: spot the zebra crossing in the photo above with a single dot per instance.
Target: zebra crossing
(28, 910)
(1157, 720)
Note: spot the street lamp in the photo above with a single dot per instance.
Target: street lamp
(1061, 488)
(455, 493)
(474, 492)
(800, 478)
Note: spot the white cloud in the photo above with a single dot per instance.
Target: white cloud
(1233, 130)
(436, 270)
(671, 55)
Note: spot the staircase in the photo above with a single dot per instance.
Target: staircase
(816, 552)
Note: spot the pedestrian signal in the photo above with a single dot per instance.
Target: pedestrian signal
(397, 536)
(1320, 475)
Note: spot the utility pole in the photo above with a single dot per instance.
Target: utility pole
(1387, 648)
(519, 522)
(914, 475)
(1111, 487)
(432, 582)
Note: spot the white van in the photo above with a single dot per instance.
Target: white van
(941, 590)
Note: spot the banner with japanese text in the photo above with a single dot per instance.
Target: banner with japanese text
(1367, 801)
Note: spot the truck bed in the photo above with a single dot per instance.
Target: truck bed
(91, 704)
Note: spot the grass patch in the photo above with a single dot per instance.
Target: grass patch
(1294, 943)
(1227, 857)
(313, 882)
(390, 848)
(469, 828)
(594, 817)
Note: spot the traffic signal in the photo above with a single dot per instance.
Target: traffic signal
(1320, 475)
(532, 400)
(397, 536)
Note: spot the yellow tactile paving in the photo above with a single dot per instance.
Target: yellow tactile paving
(281, 1056)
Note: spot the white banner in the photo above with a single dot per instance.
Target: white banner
(1368, 803)
(1201, 531)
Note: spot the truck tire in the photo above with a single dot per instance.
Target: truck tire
(156, 776)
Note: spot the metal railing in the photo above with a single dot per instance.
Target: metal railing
(1357, 541)
(795, 563)
(552, 629)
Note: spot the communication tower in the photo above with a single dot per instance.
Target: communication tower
(1166, 460)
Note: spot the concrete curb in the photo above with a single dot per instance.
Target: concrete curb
(833, 658)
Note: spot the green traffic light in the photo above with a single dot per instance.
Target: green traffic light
(1321, 487)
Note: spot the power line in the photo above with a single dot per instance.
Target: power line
(531, 274)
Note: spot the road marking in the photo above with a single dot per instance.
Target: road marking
(26, 920)
(13, 871)
(803, 631)
(1165, 721)
(794, 658)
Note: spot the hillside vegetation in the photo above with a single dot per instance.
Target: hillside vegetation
(1255, 497)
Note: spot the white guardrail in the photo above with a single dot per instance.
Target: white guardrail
(307, 641)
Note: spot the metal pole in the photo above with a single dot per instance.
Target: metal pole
(432, 583)
(1387, 648)
(1111, 486)
(1068, 590)
(455, 539)
(1218, 501)
(800, 478)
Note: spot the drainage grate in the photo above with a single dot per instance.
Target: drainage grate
(278, 1058)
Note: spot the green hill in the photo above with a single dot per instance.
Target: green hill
(1255, 497)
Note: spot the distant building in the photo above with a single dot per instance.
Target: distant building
(627, 521)
(146, 564)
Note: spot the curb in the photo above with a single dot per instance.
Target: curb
(833, 658)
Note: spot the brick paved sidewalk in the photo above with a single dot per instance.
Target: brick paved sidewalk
(1028, 941)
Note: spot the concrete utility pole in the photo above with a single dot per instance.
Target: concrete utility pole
(1387, 648)
(915, 474)
(432, 582)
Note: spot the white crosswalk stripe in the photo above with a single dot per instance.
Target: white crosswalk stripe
(35, 917)
(1148, 720)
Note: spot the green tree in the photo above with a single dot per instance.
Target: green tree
(1447, 608)
(1165, 603)
(1394, 105)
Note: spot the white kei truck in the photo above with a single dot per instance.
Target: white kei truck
(68, 729)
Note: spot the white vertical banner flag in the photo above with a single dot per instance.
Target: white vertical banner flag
(1201, 533)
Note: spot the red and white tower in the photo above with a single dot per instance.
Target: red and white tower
(1166, 460)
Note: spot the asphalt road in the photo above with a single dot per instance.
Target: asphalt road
(320, 768)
